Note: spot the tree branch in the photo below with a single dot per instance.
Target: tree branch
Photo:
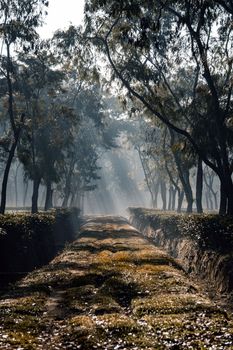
(154, 111)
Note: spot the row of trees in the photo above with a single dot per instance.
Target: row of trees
(19, 19)
(173, 63)
(170, 62)
(58, 143)
(172, 171)
(51, 114)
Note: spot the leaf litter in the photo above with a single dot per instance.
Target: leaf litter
(112, 289)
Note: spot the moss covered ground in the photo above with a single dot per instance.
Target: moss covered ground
(111, 289)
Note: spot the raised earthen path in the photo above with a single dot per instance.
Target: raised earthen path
(111, 289)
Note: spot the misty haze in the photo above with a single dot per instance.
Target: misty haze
(116, 162)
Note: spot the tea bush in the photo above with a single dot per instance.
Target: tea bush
(210, 231)
(28, 241)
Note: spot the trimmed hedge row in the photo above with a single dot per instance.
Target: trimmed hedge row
(210, 231)
(202, 242)
(28, 241)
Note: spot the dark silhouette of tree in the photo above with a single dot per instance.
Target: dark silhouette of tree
(18, 18)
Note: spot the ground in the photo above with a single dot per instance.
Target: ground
(112, 289)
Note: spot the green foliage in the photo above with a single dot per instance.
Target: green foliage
(50, 119)
(20, 18)
(30, 226)
(26, 225)
(173, 60)
(209, 231)
(30, 240)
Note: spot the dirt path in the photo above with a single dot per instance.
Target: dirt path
(111, 289)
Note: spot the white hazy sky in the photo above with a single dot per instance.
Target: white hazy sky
(61, 13)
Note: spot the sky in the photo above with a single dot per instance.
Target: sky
(60, 15)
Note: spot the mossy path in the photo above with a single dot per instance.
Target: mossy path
(111, 289)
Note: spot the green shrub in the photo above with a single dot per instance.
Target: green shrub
(28, 241)
(210, 231)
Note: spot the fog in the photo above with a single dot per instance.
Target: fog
(119, 177)
(121, 184)
(114, 182)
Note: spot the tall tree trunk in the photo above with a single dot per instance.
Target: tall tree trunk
(183, 175)
(223, 201)
(55, 198)
(207, 199)
(170, 198)
(25, 193)
(174, 199)
(226, 190)
(49, 196)
(155, 195)
(147, 176)
(42, 197)
(211, 205)
(67, 190)
(180, 201)
(35, 194)
(215, 200)
(230, 199)
(209, 181)
(199, 186)
(16, 185)
(163, 194)
(6, 176)
(176, 188)
(16, 131)
(188, 191)
(66, 198)
(73, 200)
(8, 166)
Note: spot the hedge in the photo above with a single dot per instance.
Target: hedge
(210, 231)
(28, 241)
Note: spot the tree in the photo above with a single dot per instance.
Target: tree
(19, 18)
(210, 189)
(147, 43)
(80, 169)
(48, 131)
